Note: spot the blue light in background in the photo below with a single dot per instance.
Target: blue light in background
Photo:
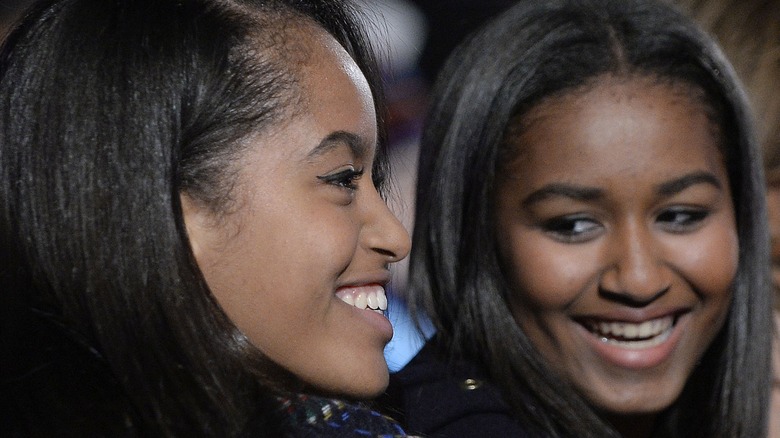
(406, 341)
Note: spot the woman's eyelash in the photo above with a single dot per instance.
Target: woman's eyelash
(345, 179)
(571, 229)
(682, 219)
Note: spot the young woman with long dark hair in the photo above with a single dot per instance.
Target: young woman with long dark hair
(193, 238)
(590, 239)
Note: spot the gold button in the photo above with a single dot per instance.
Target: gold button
(471, 384)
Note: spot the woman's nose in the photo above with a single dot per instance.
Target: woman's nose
(384, 233)
(635, 270)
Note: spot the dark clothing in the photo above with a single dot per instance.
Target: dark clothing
(436, 399)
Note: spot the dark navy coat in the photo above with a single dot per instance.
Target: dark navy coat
(435, 399)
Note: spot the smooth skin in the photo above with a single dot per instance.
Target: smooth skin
(309, 221)
(618, 209)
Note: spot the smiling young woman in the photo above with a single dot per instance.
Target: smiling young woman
(192, 233)
(309, 228)
(590, 241)
(620, 268)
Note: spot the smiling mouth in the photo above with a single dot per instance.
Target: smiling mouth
(629, 335)
(365, 297)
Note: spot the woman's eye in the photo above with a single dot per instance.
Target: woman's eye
(345, 179)
(681, 220)
(572, 229)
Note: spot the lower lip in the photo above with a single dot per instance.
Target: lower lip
(634, 359)
(374, 319)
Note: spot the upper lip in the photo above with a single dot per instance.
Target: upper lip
(381, 278)
(634, 316)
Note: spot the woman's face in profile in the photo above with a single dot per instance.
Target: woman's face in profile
(302, 263)
(617, 230)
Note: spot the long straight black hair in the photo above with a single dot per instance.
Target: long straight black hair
(109, 110)
(534, 50)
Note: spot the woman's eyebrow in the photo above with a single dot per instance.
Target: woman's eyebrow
(678, 185)
(565, 190)
(335, 139)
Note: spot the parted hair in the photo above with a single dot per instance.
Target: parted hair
(110, 110)
(535, 50)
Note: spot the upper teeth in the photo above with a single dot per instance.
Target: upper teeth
(641, 335)
(365, 297)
